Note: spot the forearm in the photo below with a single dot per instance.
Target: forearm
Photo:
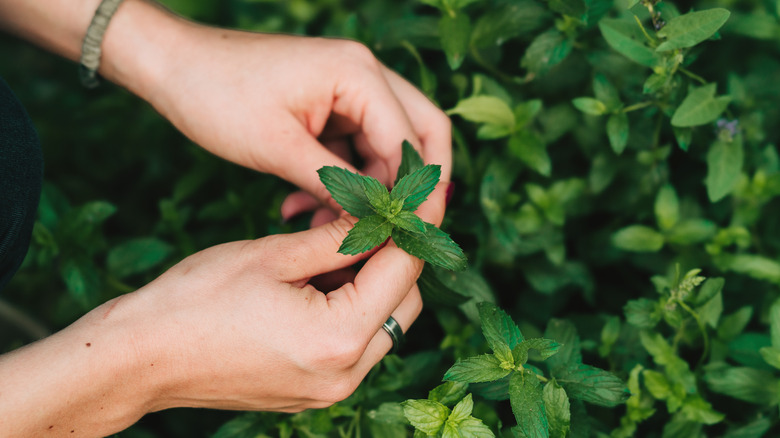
(138, 41)
(85, 381)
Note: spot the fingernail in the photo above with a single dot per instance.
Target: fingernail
(450, 191)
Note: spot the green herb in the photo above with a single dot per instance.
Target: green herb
(383, 214)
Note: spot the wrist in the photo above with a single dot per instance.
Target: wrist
(138, 44)
(88, 378)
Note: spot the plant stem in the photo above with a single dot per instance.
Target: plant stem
(702, 328)
(22, 321)
(692, 75)
(637, 106)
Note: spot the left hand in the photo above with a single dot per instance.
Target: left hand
(288, 105)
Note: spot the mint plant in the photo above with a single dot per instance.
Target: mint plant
(384, 213)
(541, 404)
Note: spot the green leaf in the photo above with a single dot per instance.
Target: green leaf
(545, 52)
(435, 247)
(724, 167)
(691, 231)
(698, 410)
(692, 28)
(525, 112)
(589, 105)
(572, 8)
(755, 429)
(710, 312)
(506, 20)
(762, 268)
(474, 428)
(485, 109)
(498, 327)
(435, 291)
(617, 131)
(388, 413)
(642, 313)
(593, 385)
(625, 37)
(732, 325)
(657, 384)
(667, 207)
(709, 289)
(367, 233)
(684, 136)
(700, 107)
(242, 426)
(448, 393)
(565, 333)
(747, 384)
(526, 399)
(82, 280)
(610, 334)
(638, 238)
(377, 195)
(771, 356)
(95, 212)
(426, 415)
(410, 161)
(462, 410)
(484, 368)
(346, 188)
(774, 323)
(529, 147)
(545, 347)
(455, 33)
(408, 221)
(137, 255)
(606, 92)
(414, 188)
(556, 404)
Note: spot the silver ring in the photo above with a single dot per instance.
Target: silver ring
(393, 329)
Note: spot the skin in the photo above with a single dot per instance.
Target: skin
(241, 325)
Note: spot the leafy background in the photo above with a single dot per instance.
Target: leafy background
(595, 176)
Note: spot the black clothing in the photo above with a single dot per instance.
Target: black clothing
(21, 174)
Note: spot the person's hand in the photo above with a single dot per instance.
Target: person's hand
(236, 326)
(288, 105)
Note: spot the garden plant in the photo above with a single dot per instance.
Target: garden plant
(616, 199)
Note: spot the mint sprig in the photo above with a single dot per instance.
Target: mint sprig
(383, 214)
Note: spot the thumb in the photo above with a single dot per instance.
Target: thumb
(312, 252)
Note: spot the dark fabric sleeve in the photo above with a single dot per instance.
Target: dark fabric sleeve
(21, 173)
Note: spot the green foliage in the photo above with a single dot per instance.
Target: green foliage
(383, 214)
(597, 145)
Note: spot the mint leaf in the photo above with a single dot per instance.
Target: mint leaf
(556, 404)
(545, 347)
(700, 107)
(593, 385)
(426, 415)
(434, 246)
(692, 28)
(414, 188)
(346, 188)
(498, 327)
(366, 234)
(462, 410)
(377, 195)
(564, 332)
(525, 397)
(474, 428)
(448, 392)
(410, 161)
(484, 368)
(408, 221)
